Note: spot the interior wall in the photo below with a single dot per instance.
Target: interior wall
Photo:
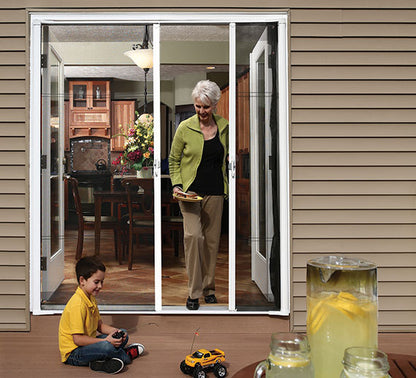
(127, 90)
(184, 84)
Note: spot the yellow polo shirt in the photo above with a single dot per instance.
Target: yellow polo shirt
(80, 316)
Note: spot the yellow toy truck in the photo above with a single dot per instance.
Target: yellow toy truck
(202, 361)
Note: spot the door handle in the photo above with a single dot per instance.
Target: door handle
(231, 168)
(156, 166)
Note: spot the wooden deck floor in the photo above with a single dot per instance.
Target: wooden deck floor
(168, 338)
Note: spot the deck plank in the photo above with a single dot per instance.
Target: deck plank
(245, 339)
(402, 366)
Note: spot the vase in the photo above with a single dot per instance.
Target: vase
(145, 172)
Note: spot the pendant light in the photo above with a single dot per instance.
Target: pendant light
(142, 56)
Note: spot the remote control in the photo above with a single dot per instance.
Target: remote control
(118, 335)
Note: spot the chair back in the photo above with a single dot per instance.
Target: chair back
(140, 201)
(75, 194)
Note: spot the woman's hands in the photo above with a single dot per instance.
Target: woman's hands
(176, 189)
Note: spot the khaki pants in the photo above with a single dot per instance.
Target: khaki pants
(202, 231)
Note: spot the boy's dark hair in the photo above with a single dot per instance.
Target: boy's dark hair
(87, 266)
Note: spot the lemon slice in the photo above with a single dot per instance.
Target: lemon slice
(318, 315)
(289, 362)
(345, 303)
(347, 296)
(314, 323)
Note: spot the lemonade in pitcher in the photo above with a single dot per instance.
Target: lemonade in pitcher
(342, 310)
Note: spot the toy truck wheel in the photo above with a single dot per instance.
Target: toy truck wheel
(185, 368)
(199, 372)
(220, 371)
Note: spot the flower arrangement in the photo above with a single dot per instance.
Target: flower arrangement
(138, 149)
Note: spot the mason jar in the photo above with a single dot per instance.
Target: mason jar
(289, 357)
(361, 362)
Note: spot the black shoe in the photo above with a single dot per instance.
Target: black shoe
(111, 366)
(192, 304)
(211, 299)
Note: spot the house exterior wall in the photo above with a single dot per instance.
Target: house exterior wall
(352, 126)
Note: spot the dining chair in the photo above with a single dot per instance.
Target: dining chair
(88, 221)
(140, 214)
(172, 222)
(140, 219)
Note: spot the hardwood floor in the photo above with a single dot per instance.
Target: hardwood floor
(136, 286)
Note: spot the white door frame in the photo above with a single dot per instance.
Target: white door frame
(39, 18)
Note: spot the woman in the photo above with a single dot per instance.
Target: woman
(197, 163)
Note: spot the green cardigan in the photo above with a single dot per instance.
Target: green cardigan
(186, 151)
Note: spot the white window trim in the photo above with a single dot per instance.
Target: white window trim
(36, 21)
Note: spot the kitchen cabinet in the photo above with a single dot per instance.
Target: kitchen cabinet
(243, 113)
(122, 117)
(243, 150)
(67, 143)
(89, 108)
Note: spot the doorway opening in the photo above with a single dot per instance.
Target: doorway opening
(218, 48)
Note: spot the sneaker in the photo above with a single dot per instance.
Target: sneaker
(111, 366)
(134, 350)
(211, 299)
(192, 304)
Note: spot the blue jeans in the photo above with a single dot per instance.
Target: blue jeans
(102, 350)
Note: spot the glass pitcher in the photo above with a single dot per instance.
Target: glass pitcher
(289, 357)
(342, 310)
(360, 362)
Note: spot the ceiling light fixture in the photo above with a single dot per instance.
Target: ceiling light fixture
(142, 56)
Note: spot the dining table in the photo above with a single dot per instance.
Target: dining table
(117, 196)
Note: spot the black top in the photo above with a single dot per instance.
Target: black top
(209, 179)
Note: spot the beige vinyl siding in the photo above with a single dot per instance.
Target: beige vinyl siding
(354, 150)
(14, 256)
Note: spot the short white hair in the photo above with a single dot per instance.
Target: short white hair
(207, 91)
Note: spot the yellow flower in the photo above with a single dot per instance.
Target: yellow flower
(146, 155)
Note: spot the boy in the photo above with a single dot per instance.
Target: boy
(78, 341)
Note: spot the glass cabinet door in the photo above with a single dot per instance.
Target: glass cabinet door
(78, 96)
(100, 94)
